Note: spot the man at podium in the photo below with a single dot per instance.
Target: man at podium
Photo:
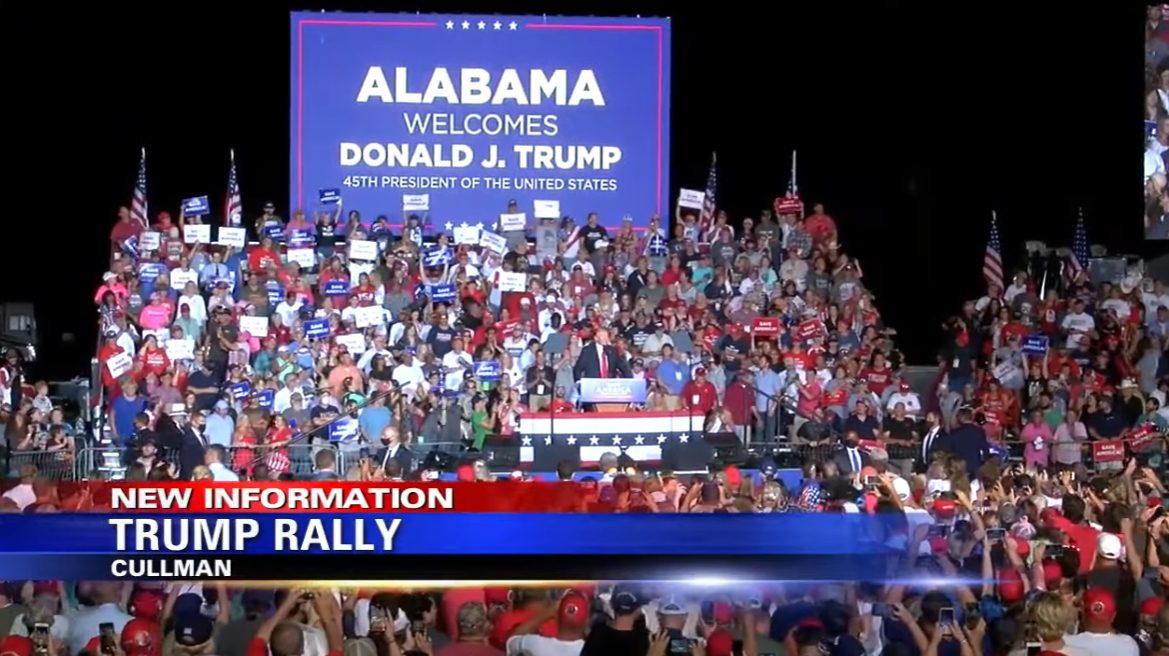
(598, 359)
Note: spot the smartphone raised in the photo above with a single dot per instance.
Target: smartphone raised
(881, 609)
(996, 534)
(109, 638)
(946, 617)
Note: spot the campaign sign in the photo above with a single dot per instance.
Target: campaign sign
(316, 328)
(240, 391)
(266, 398)
(197, 206)
(345, 429)
(1034, 344)
(612, 390)
(444, 293)
(487, 370)
(336, 288)
(330, 196)
(479, 110)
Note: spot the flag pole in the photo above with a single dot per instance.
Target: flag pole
(795, 186)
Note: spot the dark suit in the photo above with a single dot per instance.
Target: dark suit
(588, 365)
(191, 452)
(968, 442)
(844, 461)
(403, 456)
(930, 445)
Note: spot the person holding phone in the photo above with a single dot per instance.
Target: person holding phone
(571, 614)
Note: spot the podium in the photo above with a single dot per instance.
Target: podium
(612, 394)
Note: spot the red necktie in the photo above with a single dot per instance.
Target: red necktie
(604, 362)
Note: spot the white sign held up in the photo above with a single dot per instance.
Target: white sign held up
(493, 242)
(691, 198)
(509, 222)
(365, 317)
(197, 233)
(180, 349)
(119, 363)
(547, 209)
(149, 241)
(466, 235)
(306, 258)
(415, 202)
(361, 249)
(254, 326)
(512, 281)
(233, 237)
(354, 343)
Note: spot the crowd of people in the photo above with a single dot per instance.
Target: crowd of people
(1021, 497)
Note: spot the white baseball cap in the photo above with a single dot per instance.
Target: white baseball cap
(1108, 546)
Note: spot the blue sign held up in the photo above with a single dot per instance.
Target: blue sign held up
(361, 81)
(240, 391)
(345, 429)
(316, 328)
(488, 370)
(1035, 344)
(330, 196)
(197, 206)
(301, 239)
(274, 231)
(336, 288)
(266, 398)
(444, 293)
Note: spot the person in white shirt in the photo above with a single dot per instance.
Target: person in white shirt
(282, 400)
(1097, 638)
(194, 300)
(1158, 297)
(22, 495)
(214, 457)
(289, 308)
(517, 341)
(1017, 286)
(409, 374)
(572, 618)
(906, 396)
(85, 624)
(1077, 324)
(455, 363)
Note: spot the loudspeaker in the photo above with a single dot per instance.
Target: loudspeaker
(728, 450)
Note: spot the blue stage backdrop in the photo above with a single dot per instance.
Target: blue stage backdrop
(475, 111)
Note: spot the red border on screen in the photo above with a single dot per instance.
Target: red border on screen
(430, 24)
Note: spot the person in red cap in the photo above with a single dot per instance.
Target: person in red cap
(1096, 636)
(571, 616)
(720, 642)
(141, 637)
(699, 393)
(16, 646)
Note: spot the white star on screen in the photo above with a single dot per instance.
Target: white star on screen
(482, 25)
(571, 440)
(466, 25)
(512, 26)
(449, 226)
(661, 439)
(616, 440)
(497, 25)
(639, 440)
(548, 441)
(527, 441)
(594, 441)
(450, 25)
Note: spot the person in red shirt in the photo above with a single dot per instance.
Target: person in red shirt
(819, 225)
(1071, 521)
(124, 229)
(153, 357)
(263, 257)
(524, 607)
(699, 394)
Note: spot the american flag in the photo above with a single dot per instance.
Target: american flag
(708, 204)
(1078, 259)
(992, 263)
(138, 204)
(233, 215)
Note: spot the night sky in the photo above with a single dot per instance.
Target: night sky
(911, 125)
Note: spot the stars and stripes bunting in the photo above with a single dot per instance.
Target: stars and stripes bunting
(992, 262)
(652, 438)
(1077, 260)
(233, 214)
(138, 209)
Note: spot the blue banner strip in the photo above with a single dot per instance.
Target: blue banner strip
(446, 533)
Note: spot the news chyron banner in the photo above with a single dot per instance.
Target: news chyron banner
(455, 115)
(429, 531)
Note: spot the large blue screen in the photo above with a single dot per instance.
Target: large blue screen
(479, 110)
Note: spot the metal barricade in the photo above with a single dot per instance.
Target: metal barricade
(101, 462)
(52, 465)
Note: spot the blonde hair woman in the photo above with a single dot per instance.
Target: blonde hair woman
(201, 473)
(1053, 618)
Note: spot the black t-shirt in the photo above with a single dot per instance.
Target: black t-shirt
(200, 379)
(592, 235)
(439, 340)
(607, 641)
(230, 332)
(900, 429)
